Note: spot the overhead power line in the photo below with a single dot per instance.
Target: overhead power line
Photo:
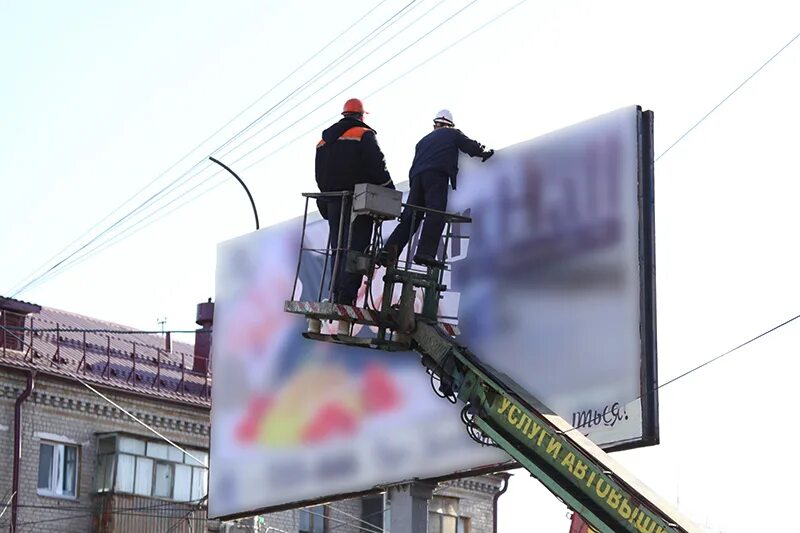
(372, 529)
(394, 80)
(750, 77)
(325, 86)
(24, 283)
(148, 219)
(652, 390)
(327, 68)
(362, 78)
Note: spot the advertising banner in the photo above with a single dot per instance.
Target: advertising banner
(552, 284)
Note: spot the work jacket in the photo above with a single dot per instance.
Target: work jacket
(438, 152)
(348, 154)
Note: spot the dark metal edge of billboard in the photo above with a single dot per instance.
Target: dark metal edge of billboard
(647, 277)
(486, 470)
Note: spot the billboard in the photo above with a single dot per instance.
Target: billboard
(552, 283)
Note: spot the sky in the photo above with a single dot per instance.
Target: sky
(100, 98)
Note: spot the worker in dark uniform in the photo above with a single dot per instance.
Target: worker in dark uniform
(434, 169)
(348, 154)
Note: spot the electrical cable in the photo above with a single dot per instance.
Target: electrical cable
(127, 231)
(307, 61)
(325, 86)
(95, 238)
(16, 291)
(128, 413)
(189, 513)
(750, 77)
(369, 515)
(121, 512)
(112, 402)
(714, 359)
(513, 7)
(394, 80)
(457, 42)
(362, 78)
(5, 507)
(360, 520)
(344, 522)
(333, 64)
(80, 508)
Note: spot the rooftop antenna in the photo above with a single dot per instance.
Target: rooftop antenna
(161, 322)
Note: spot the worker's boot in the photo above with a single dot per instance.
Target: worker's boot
(428, 260)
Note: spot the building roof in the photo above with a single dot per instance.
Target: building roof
(107, 356)
(18, 306)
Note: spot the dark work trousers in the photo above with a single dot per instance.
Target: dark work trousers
(428, 189)
(347, 284)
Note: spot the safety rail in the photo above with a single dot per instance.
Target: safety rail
(102, 357)
(375, 242)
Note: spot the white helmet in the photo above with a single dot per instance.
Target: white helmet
(444, 117)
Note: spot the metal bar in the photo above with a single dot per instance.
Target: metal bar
(337, 253)
(448, 229)
(158, 370)
(300, 254)
(252, 202)
(376, 230)
(30, 350)
(324, 267)
(107, 369)
(334, 194)
(133, 369)
(82, 363)
(449, 217)
(347, 249)
(410, 244)
(183, 373)
(5, 333)
(58, 346)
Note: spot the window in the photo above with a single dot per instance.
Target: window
(312, 520)
(150, 468)
(443, 516)
(442, 523)
(58, 470)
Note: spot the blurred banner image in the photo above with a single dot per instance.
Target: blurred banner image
(547, 285)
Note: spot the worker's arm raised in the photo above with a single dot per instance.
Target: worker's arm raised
(472, 148)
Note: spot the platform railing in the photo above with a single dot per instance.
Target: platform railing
(337, 251)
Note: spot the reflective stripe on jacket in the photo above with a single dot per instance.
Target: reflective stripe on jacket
(348, 154)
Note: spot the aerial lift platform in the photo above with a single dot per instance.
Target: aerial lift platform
(497, 411)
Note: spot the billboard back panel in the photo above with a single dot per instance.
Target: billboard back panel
(551, 283)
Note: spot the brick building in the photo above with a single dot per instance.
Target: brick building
(87, 465)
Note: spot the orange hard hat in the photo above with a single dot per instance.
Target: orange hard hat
(354, 105)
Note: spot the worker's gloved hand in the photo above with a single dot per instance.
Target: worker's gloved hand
(486, 155)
